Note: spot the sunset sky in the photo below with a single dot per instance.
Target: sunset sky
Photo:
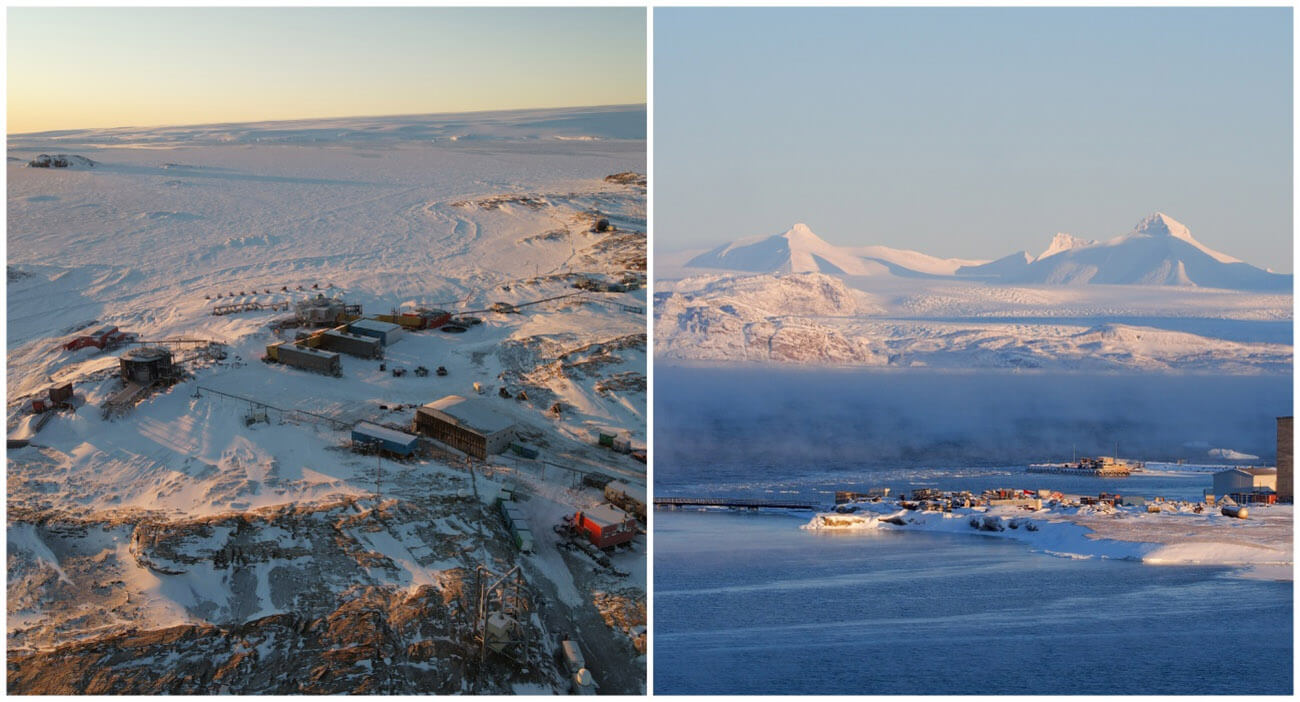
(73, 68)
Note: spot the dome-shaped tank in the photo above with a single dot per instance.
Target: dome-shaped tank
(146, 365)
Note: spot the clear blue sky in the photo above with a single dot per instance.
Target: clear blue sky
(974, 132)
(104, 67)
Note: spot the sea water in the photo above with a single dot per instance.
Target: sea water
(751, 603)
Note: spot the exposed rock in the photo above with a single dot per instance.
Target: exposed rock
(61, 161)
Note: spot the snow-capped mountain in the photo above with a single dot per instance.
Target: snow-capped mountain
(1158, 251)
(799, 250)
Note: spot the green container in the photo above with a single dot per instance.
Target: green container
(606, 439)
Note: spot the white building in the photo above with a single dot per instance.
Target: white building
(1245, 480)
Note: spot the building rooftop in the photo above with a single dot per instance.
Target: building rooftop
(635, 491)
(605, 515)
(348, 335)
(309, 351)
(380, 432)
(147, 353)
(472, 413)
(375, 325)
(1258, 471)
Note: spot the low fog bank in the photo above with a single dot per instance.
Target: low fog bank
(765, 416)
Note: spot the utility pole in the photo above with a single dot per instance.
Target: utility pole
(379, 471)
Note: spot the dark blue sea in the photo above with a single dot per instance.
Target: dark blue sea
(750, 603)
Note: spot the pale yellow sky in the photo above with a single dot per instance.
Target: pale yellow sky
(72, 68)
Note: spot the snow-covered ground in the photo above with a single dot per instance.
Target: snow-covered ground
(447, 211)
(820, 319)
(1261, 546)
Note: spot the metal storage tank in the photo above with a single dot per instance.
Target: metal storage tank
(146, 365)
(386, 332)
(310, 359)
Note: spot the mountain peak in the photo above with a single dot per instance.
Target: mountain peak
(1161, 224)
(802, 234)
(1064, 242)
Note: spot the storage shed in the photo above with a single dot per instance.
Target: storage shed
(517, 524)
(351, 344)
(367, 434)
(466, 425)
(605, 526)
(61, 394)
(146, 365)
(1245, 480)
(386, 332)
(631, 498)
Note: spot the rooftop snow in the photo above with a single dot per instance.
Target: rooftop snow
(474, 414)
(348, 335)
(605, 515)
(308, 350)
(635, 491)
(384, 433)
(376, 325)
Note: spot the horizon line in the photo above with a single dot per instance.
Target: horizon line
(309, 119)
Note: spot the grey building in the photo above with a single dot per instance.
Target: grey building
(467, 425)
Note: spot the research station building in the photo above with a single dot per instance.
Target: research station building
(467, 425)
(386, 332)
(1245, 480)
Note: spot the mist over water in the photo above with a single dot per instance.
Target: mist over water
(716, 421)
(751, 603)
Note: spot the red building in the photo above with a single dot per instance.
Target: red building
(101, 338)
(605, 526)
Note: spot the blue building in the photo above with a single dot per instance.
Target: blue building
(390, 440)
(384, 331)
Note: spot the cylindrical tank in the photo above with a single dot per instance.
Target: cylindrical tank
(1237, 511)
(584, 683)
(146, 365)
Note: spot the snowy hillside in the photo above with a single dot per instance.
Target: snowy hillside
(1154, 299)
(815, 319)
(198, 526)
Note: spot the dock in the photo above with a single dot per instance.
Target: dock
(734, 502)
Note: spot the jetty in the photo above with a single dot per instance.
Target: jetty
(1105, 467)
(733, 502)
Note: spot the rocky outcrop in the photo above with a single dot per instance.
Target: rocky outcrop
(61, 161)
(373, 641)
